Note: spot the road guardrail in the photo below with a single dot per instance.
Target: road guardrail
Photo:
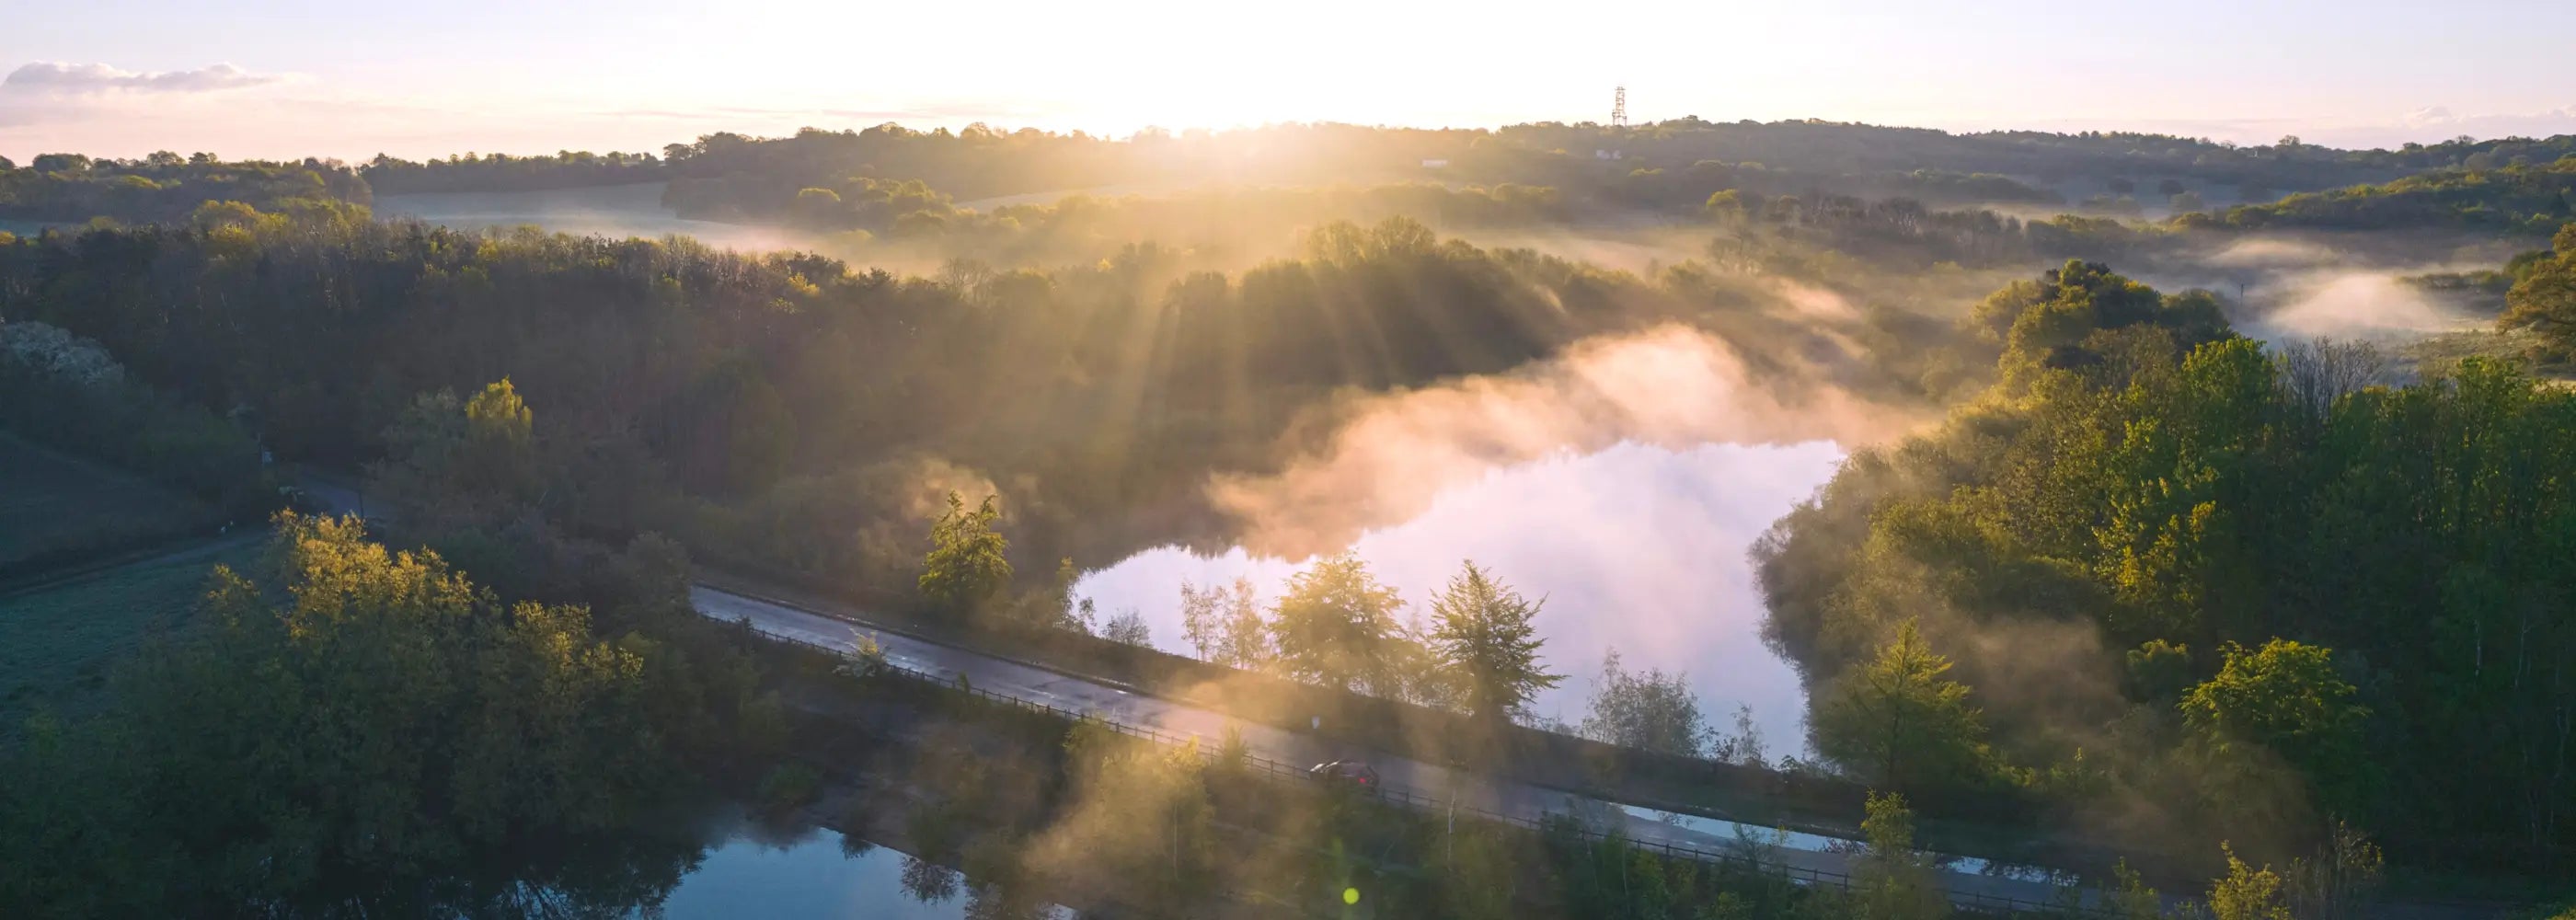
(1740, 856)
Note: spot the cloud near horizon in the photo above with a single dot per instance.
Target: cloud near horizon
(55, 78)
(51, 96)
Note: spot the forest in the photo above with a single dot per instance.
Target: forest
(2115, 574)
(71, 188)
(763, 175)
(1094, 399)
(2187, 584)
(2521, 197)
(501, 172)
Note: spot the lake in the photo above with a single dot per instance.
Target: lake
(1635, 547)
(817, 873)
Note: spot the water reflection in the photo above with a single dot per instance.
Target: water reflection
(818, 873)
(928, 882)
(1636, 547)
(1751, 838)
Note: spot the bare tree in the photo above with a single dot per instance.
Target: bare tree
(2316, 373)
(1202, 622)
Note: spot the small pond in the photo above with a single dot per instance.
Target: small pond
(1635, 547)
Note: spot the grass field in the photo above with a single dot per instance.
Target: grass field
(58, 507)
(2441, 353)
(59, 643)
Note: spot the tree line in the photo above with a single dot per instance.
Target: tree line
(360, 731)
(790, 409)
(2178, 583)
(1335, 626)
(68, 393)
(2520, 197)
(501, 172)
(2050, 157)
(1667, 165)
(164, 186)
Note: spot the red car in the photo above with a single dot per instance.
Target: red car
(1347, 771)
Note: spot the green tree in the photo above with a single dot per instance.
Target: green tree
(2246, 893)
(472, 462)
(1649, 710)
(1245, 639)
(2176, 497)
(219, 215)
(967, 567)
(2128, 897)
(2286, 699)
(2544, 298)
(1481, 628)
(1336, 626)
(1891, 880)
(2158, 671)
(498, 429)
(1423, 676)
(1055, 606)
(759, 434)
(1203, 619)
(59, 162)
(1128, 627)
(356, 731)
(817, 206)
(2339, 881)
(1899, 720)
(1140, 813)
(1726, 206)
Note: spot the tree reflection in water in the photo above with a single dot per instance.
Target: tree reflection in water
(600, 876)
(1004, 901)
(928, 882)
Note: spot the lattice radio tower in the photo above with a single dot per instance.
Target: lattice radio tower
(1619, 107)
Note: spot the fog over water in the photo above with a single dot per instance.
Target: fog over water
(1609, 481)
(1635, 547)
(2286, 289)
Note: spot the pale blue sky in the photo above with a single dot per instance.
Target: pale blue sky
(348, 79)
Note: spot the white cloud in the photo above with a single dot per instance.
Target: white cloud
(51, 78)
(53, 105)
(2429, 115)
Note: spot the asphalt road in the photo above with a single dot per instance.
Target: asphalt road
(1968, 880)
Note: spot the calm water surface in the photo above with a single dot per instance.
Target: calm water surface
(1635, 547)
(816, 873)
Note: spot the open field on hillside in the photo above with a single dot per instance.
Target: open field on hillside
(59, 643)
(57, 507)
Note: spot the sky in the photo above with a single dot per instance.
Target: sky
(268, 78)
